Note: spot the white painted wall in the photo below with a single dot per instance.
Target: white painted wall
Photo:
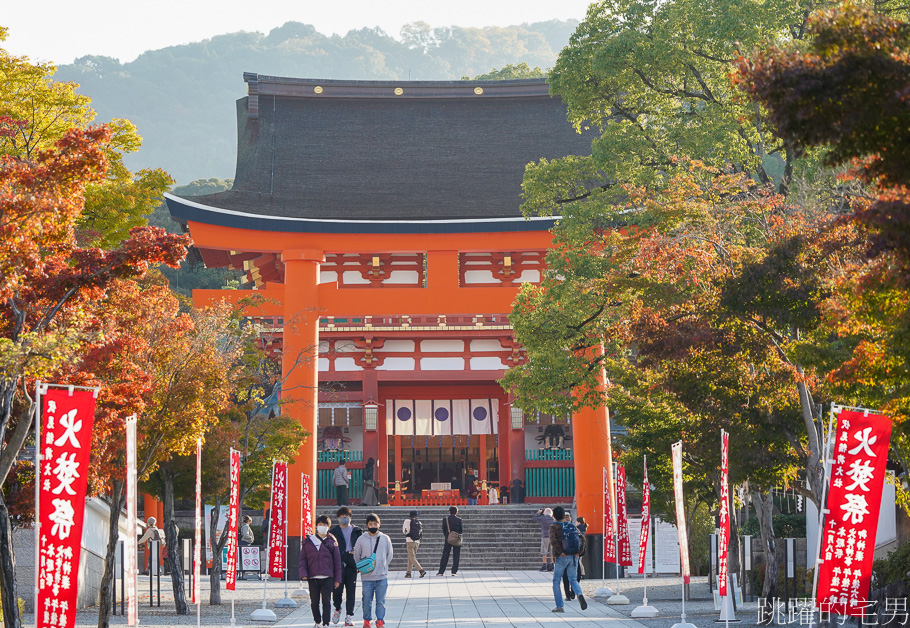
(428, 346)
(396, 364)
(442, 364)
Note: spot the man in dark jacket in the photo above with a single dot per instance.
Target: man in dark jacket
(452, 523)
(320, 566)
(566, 558)
(346, 534)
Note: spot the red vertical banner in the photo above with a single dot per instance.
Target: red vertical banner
(676, 452)
(854, 499)
(67, 417)
(305, 512)
(645, 520)
(233, 517)
(197, 539)
(609, 542)
(277, 516)
(723, 544)
(622, 520)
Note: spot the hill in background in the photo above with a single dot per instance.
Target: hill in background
(182, 97)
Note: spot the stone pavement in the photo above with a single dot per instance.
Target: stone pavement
(477, 599)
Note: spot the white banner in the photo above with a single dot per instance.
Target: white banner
(676, 451)
(197, 551)
(484, 416)
(132, 542)
(442, 417)
(461, 416)
(423, 417)
(400, 417)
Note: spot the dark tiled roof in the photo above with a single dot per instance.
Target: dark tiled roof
(356, 150)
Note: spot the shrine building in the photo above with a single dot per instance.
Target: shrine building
(380, 222)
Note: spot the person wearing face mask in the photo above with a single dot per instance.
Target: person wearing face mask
(346, 534)
(376, 583)
(320, 566)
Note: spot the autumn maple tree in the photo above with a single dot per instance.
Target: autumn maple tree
(847, 95)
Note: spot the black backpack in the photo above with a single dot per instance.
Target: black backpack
(414, 532)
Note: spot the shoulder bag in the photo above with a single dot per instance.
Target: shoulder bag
(453, 538)
(368, 564)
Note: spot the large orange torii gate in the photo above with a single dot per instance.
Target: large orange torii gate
(301, 301)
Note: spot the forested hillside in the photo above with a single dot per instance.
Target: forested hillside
(182, 97)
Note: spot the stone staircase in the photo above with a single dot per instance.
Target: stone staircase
(495, 537)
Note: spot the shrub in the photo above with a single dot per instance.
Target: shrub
(785, 526)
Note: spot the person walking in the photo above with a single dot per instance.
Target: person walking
(566, 587)
(370, 496)
(473, 492)
(346, 534)
(566, 544)
(411, 530)
(246, 532)
(340, 481)
(320, 566)
(376, 583)
(450, 524)
(152, 535)
(544, 517)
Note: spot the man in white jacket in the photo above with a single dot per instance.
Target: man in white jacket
(375, 583)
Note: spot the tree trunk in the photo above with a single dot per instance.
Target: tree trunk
(170, 539)
(764, 506)
(815, 469)
(107, 579)
(217, 546)
(8, 592)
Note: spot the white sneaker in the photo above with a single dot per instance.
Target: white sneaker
(349, 620)
(336, 617)
(317, 625)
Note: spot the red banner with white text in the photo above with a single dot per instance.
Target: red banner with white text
(854, 499)
(723, 543)
(277, 523)
(609, 541)
(622, 520)
(676, 454)
(233, 516)
(305, 502)
(645, 520)
(66, 440)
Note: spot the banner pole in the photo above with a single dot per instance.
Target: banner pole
(822, 510)
(299, 591)
(197, 589)
(37, 489)
(603, 517)
(264, 613)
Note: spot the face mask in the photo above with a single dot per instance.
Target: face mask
(322, 529)
(344, 521)
(373, 530)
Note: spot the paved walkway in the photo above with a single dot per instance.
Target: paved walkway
(474, 600)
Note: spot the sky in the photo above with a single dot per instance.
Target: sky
(60, 31)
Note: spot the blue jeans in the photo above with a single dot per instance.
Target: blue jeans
(379, 587)
(569, 566)
(472, 501)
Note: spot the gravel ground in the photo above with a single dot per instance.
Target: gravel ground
(665, 593)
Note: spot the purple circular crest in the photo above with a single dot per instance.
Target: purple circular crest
(480, 414)
(442, 414)
(404, 414)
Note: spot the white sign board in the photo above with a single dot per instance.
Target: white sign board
(440, 486)
(666, 547)
(222, 521)
(635, 538)
(249, 559)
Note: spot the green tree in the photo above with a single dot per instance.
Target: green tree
(45, 110)
(509, 72)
